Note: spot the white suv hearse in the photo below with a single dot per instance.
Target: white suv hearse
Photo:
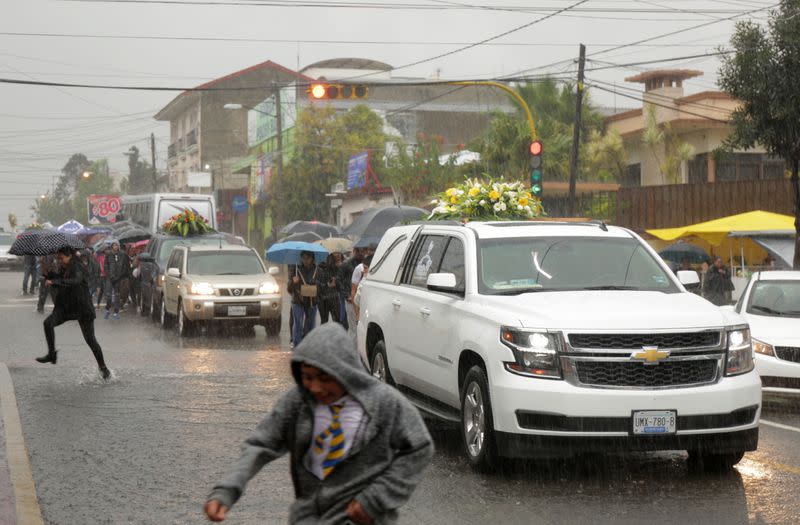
(551, 338)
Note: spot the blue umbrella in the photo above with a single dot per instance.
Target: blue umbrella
(289, 252)
(72, 226)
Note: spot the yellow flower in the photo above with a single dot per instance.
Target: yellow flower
(523, 201)
(474, 191)
(526, 195)
(451, 192)
(453, 199)
(494, 195)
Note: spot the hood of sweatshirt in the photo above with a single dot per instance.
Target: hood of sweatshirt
(330, 349)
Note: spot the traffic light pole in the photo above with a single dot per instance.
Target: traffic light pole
(576, 132)
(517, 97)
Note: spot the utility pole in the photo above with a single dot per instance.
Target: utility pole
(279, 141)
(576, 132)
(153, 160)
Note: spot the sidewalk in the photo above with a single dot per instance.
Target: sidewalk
(18, 502)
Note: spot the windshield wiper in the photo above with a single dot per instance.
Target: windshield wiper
(520, 291)
(230, 273)
(765, 309)
(609, 287)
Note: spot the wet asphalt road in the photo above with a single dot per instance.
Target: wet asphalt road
(147, 446)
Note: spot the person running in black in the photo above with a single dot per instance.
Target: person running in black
(72, 303)
(117, 267)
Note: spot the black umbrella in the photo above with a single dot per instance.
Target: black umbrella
(303, 237)
(320, 228)
(44, 242)
(372, 224)
(132, 234)
(683, 250)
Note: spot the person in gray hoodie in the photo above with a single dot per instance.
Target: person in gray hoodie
(357, 446)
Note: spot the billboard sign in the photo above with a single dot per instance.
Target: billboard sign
(239, 204)
(103, 209)
(357, 170)
(261, 121)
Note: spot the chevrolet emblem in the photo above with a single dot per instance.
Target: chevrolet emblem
(650, 355)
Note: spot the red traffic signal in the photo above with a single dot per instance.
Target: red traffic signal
(338, 91)
(536, 147)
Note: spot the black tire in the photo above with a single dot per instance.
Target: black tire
(184, 326)
(379, 367)
(165, 317)
(155, 307)
(145, 304)
(477, 428)
(273, 327)
(706, 462)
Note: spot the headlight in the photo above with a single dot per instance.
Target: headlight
(268, 288)
(740, 352)
(201, 289)
(763, 348)
(535, 352)
(161, 279)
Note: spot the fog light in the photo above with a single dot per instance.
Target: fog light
(274, 306)
(197, 306)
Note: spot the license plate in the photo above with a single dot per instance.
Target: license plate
(654, 422)
(237, 310)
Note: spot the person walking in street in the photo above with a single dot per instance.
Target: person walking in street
(357, 446)
(47, 264)
(72, 303)
(352, 308)
(30, 274)
(101, 285)
(345, 279)
(92, 272)
(117, 266)
(718, 285)
(303, 287)
(328, 290)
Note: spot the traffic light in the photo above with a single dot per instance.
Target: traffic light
(537, 184)
(326, 91)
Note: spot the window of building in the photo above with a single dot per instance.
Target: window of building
(633, 177)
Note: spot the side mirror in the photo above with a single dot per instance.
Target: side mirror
(173, 272)
(145, 257)
(274, 270)
(688, 278)
(442, 282)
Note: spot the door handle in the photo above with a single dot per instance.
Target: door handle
(425, 311)
(396, 303)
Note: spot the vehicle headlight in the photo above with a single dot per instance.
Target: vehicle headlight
(740, 352)
(763, 348)
(535, 352)
(268, 288)
(201, 289)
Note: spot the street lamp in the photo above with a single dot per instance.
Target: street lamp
(43, 196)
(86, 174)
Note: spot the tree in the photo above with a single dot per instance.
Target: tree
(416, 173)
(99, 183)
(762, 74)
(675, 152)
(606, 156)
(140, 175)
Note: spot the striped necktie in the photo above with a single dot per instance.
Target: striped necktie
(336, 449)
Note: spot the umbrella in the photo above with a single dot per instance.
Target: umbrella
(302, 237)
(684, 250)
(372, 224)
(289, 252)
(320, 228)
(336, 244)
(44, 242)
(70, 227)
(131, 235)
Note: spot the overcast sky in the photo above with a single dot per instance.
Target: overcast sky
(40, 127)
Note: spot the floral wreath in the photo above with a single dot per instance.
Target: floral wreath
(493, 199)
(186, 223)
(34, 226)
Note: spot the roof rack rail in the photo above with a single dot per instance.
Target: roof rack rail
(443, 222)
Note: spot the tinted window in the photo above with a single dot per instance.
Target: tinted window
(174, 260)
(775, 299)
(568, 263)
(426, 260)
(167, 245)
(453, 262)
(6, 239)
(224, 263)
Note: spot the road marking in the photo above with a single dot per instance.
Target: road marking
(779, 425)
(19, 467)
(779, 466)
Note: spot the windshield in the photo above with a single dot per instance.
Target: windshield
(519, 265)
(775, 299)
(224, 263)
(6, 239)
(167, 209)
(168, 244)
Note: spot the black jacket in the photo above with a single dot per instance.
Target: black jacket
(73, 300)
(307, 276)
(324, 275)
(117, 266)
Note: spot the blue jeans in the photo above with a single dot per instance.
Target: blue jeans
(304, 321)
(343, 310)
(30, 275)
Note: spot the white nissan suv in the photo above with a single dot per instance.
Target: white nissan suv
(551, 338)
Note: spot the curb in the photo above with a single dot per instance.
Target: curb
(26, 503)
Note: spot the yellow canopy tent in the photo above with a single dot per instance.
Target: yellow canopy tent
(714, 232)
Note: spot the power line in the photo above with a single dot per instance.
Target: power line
(660, 60)
(659, 96)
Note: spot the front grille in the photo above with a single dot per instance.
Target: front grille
(788, 353)
(637, 341)
(231, 292)
(560, 423)
(629, 374)
(221, 309)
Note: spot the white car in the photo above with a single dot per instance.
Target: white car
(548, 338)
(6, 259)
(771, 306)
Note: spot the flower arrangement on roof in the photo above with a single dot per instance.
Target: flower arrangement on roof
(187, 223)
(489, 200)
(34, 226)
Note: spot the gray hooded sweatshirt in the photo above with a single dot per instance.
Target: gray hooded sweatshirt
(389, 452)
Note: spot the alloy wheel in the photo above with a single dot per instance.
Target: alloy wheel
(474, 419)
(379, 367)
